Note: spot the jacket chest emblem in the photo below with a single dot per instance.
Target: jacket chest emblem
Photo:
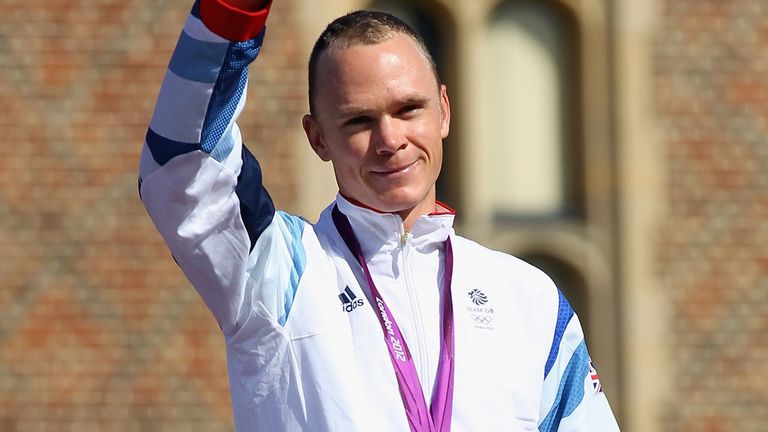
(349, 301)
(480, 310)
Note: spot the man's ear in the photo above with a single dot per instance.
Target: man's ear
(313, 136)
(445, 112)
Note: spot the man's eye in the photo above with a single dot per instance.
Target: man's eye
(356, 121)
(409, 109)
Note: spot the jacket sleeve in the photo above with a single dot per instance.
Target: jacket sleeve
(200, 184)
(572, 396)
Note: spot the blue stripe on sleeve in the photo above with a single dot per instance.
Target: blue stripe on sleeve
(197, 60)
(224, 147)
(564, 314)
(571, 390)
(256, 207)
(164, 149)
(228, 90)
(298, 257)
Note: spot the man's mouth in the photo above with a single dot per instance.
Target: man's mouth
(394, 171)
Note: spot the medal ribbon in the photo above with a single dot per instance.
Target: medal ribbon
(438, 417)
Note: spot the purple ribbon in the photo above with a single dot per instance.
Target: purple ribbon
(438, 417)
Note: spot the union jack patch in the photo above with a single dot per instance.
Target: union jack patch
(595, 379)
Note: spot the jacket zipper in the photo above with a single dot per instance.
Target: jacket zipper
(416, 316)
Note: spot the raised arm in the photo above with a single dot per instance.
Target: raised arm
(200, 185)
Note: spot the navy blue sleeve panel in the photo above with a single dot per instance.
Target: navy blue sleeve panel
(164, 149)
(256, 206)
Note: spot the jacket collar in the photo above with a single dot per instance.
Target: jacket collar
(377, 231)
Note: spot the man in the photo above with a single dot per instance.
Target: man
(378, 317)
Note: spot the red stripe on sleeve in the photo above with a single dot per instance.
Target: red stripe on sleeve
(232, 23)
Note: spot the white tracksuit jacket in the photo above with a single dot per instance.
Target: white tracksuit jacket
(304, 348)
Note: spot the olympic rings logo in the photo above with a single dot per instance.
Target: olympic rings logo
(482, 319)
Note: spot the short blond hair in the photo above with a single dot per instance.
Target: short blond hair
(361, 27)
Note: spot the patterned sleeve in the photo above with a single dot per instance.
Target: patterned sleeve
(572, 396)
(200, 184)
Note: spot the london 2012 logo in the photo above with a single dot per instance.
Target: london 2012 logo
(478, 297)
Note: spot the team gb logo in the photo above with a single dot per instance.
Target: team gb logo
(478, 297)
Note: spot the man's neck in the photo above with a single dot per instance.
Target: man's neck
(409, 216)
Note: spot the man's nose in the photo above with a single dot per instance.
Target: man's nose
(389, 135)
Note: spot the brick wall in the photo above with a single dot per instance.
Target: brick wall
(712, 92)
(100, 331)
(98, 328)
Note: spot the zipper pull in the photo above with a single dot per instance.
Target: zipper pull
(404, 239)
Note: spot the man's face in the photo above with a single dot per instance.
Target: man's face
(380, 118)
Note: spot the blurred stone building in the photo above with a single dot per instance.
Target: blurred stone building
(619, 145)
